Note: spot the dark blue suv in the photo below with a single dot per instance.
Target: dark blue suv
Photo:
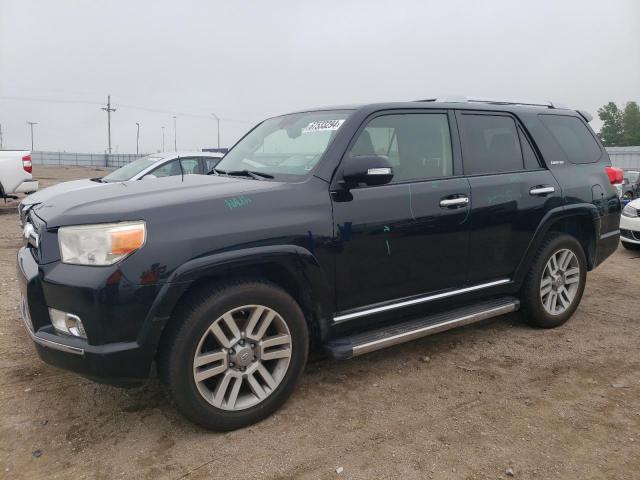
(348, 229)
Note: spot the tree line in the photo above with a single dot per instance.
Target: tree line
(620, 127)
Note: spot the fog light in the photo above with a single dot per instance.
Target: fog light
(67, 323)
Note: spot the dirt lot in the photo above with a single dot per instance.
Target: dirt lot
(562, 403)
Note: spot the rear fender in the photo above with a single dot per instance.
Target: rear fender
(583, 210)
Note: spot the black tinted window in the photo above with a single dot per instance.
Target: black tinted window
(490, 144)
(573, 137)
(418, 145)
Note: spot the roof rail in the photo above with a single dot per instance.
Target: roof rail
(493, 101)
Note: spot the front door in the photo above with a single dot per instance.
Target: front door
(408, 237)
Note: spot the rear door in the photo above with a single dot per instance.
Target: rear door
(510, 192)
(408, 237)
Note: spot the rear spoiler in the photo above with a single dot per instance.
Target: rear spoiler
(586, 115)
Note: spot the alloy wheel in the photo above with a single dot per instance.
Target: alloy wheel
(242, 357)
(560, 282)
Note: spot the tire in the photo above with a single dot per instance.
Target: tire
(630, 246)
(537, 305)
(195, 347)
(627, 196)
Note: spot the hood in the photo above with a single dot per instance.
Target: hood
(134, 200)
(49, 192)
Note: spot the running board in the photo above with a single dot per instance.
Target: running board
(365, 342)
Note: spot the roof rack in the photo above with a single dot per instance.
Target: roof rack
(493, 101)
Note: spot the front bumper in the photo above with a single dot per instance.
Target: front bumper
(630, 229)
(122, 357)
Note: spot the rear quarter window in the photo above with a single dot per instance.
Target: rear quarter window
(573, 137)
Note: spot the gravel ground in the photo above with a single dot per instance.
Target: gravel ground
(495, 400)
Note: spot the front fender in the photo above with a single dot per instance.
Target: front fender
(303, 269)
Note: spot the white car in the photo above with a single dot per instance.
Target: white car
(149, 167)
(16, 173)
(630, 225)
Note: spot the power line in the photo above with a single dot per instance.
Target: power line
(122, 105)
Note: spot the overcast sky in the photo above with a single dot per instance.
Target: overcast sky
(247, 60)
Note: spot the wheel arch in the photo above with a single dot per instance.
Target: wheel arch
(292, 268)
(581, 221)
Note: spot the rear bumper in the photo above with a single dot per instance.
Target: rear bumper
(27, 187)
(121, 362)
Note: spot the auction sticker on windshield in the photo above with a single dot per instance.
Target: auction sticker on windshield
(323, 125)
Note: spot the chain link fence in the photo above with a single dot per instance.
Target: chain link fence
(114, 160)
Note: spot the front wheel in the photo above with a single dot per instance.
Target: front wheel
(553, 289)
(235, 354)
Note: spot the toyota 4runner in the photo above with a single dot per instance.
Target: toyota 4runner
(347, 229)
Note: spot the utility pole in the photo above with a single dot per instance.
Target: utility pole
(175, 135)
(108, 109)
(163, 139)
(31, 124)
(137, 137)
(217, 120)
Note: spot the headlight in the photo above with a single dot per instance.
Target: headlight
(629, 211)
(101, 244)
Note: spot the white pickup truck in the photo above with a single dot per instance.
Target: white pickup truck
(15, 173)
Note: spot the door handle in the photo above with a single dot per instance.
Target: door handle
(454, 202)
(542, 190)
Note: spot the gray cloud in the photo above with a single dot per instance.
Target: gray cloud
(246, 60)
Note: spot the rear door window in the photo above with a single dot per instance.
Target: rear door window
(209, 163)
(573, 137)
(190, 166)
(490, 144)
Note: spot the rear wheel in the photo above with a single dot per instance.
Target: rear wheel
(553, 289)
(235, 355)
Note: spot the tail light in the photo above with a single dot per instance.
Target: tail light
(26, 164)
(616, 175)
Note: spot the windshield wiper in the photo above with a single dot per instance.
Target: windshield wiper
(244, 173)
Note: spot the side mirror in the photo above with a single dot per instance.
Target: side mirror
(149, 176)
(367, 169)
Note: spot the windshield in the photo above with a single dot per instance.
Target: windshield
(286, 147)
(633, 177)
(131, 169)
